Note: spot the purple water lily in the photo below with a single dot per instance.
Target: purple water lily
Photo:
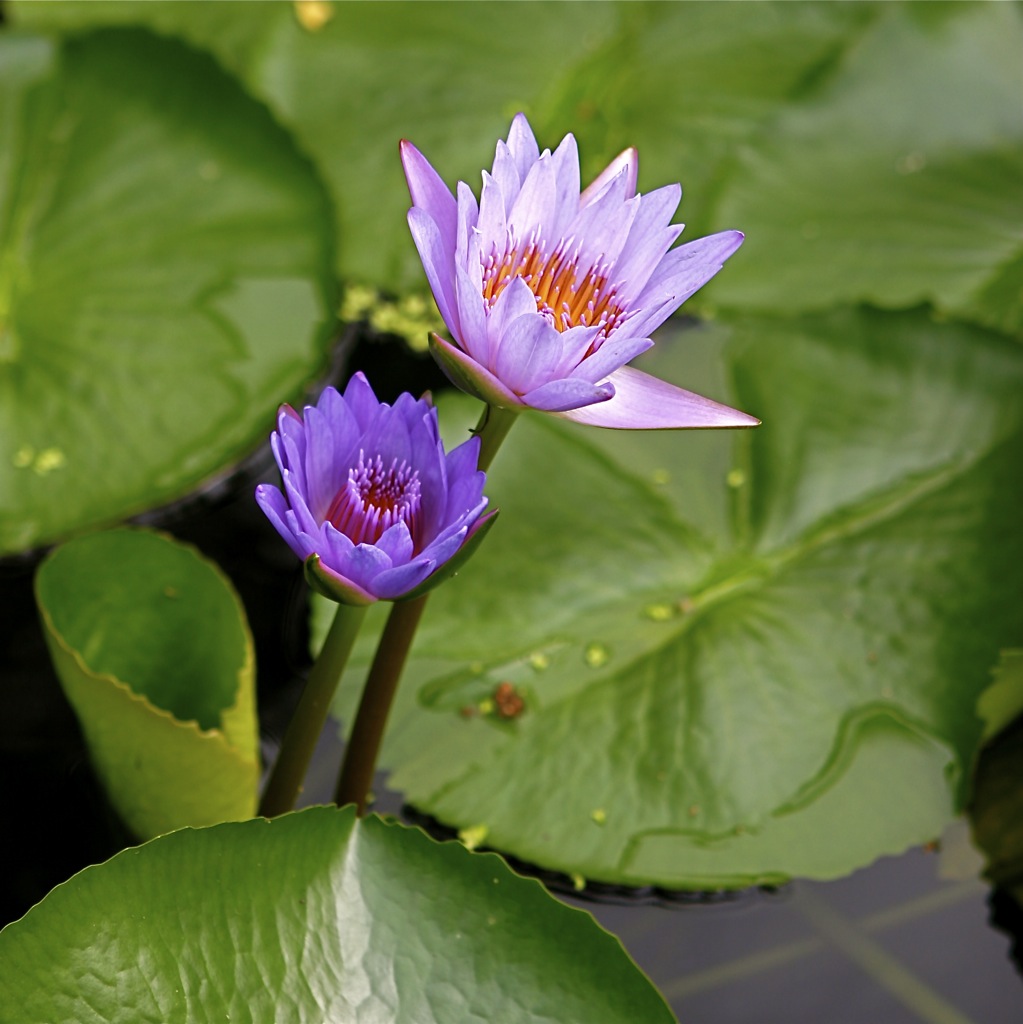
(549, 290)
(371, 502)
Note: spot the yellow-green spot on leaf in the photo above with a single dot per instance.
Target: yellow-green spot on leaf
(661, 477)
(578, 881)
(23, 457)
(596, 655)
(48, 460)
(660, 612)
(476, 667)
(486, 706)
(474, 836)
(539, 661)
(599, 815)
(735, 478)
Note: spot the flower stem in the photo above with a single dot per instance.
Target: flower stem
(392, 652)
(492, 429)
(371, 718)
(285, 782)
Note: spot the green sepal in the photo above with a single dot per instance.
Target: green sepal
(331, 586)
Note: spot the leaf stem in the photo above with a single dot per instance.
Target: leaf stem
(285, 782)
(392, 652)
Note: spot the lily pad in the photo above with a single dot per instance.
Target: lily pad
(314, 916)
(723, 640)
(685, 83)
(164, 277)
(153, 651)
(898, 181)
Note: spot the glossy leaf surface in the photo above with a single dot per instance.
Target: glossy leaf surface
(314, 917)
(737, 664)
(163, 262)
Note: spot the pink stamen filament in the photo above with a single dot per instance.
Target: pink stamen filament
(374, 498)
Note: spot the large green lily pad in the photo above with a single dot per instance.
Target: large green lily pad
(164, 261)
(742, 657)
(313, 917)
(683, 82)
(154, 653)
(898, 181)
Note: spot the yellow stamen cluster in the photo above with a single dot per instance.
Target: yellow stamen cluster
(570, 295)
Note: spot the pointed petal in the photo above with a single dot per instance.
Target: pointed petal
(472, 314)
(642, 402)
(688, 268)
(505, 173)
(516, 299)
(650, 237)
(530, 352)
(468, 217)
(627, 158)
(361, 400)
(438, 261)
(619, 349)
(493, 222)
(570, 393)
(522, 145)
(272, 502)
(535, 206)
(392, 584)
(565, 161)
(428, 190)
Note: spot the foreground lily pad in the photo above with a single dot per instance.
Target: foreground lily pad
(740, 657)
(314, 917)
(164, 262)
(153, 651)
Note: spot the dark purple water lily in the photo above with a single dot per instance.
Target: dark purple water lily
(372, 503)
(549, 290)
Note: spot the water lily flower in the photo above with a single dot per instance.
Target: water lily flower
(372, 504)
(549, 290)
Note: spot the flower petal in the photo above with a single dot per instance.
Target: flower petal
(272, 502)
(428, 191)
(570, 393)
(464, 372)
(627, 159)
(530, 352)
(642, 402)
(436, 259)
(397, 582)
(688, 268)
(522, 145)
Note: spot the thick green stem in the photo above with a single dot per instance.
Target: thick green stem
(392, 652)
(307, 723)
(492, 429)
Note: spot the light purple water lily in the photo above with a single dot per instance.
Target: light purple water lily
(371, 503)
(549, 290)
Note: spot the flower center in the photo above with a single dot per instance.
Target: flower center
(374, 498)
(570, 293)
